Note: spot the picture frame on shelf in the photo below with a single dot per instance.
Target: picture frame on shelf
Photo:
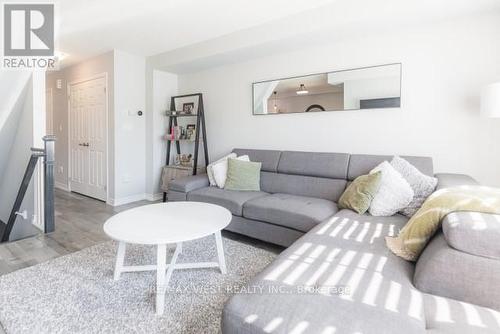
(188, 108)
(191, 132)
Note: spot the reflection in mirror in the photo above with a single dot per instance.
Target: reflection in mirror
(362, 88)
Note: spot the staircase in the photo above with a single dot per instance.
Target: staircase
(25, 183)
(47, 155)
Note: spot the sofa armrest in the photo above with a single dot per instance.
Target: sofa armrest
(189, 183)
(473, 232)
(447, 180)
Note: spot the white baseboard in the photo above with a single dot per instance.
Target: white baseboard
(154, 197)
(135, 198)
(60, 185)
(126, 200)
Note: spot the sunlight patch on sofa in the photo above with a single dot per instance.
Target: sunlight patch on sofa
(339, 227)
(351, 229)
(300, 328)
(327, 225)
(443, 313)
(472, 315)
(361, 235)
(373, 289)
(416, 304)
(273, 325)
(393, 297)
(329, 330)
(377, 233)
(251, 318)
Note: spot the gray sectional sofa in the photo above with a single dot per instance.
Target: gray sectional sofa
(337, 275)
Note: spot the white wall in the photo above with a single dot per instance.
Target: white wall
(129, 134)
(444, 67)
(164, 87)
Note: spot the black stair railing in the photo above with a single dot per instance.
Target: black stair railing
(47, 154)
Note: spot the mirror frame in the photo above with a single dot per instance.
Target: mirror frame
(337, 71)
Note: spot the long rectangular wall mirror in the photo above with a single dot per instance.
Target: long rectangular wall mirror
(362, 88)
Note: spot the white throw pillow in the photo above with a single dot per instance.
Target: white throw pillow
(394, 193)
(210, 172)
(423, 186)
(220, 170)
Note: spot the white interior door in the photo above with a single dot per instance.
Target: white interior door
(88, 148)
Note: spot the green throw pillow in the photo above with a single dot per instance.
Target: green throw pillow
(359, 195)
(243, 175)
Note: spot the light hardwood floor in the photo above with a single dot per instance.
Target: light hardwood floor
(79, 222)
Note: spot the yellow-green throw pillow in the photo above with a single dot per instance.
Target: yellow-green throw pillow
(359, 195)
(243, 175)
(422, 226)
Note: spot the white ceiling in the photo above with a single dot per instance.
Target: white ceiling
(149, 27)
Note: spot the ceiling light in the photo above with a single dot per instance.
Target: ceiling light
(302, 90)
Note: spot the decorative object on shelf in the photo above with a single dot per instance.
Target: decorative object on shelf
(188, 108)
(192, 106)
(353, 89)
(190, 131)
(184, 160)
(490, 101)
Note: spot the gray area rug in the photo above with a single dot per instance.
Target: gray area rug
(76, 293)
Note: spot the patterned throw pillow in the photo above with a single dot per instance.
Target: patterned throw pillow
(359, 194)
(394, 193)
(243, 175)
(422, 185)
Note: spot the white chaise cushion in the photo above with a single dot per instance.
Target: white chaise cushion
(421, 184)
(394, 193)
(220, 170)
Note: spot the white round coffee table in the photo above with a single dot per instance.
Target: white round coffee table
(167, 223)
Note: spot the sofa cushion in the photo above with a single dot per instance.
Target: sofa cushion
(297, 212)
(269, 158)
(327, 165)
(231, 200)
(358, 286)
(309, 186)
(361, 164)
(447, 272)
(448, 316)
(473, 232)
